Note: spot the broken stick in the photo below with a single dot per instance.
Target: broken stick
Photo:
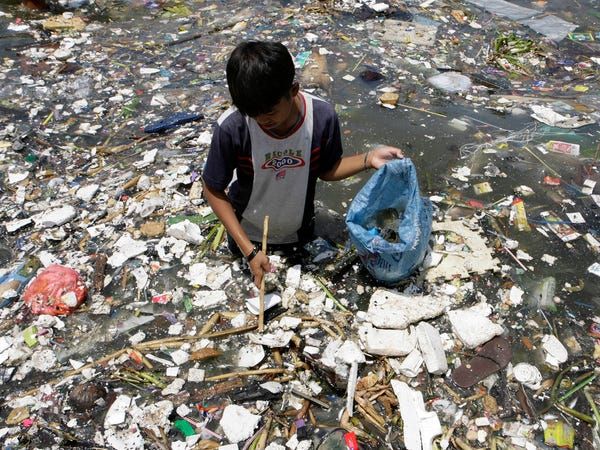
(261, 311)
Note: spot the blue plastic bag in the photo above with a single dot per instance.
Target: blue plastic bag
(393, 187)
(173, 121)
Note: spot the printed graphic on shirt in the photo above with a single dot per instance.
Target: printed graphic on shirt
(286, 159)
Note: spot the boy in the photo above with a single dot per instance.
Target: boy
(279, 141)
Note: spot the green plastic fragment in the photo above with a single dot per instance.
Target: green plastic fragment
(197, 219)
(185, 427)
(30, 336)
(187, 304)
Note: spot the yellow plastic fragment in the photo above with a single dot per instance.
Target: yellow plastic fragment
(559, 434)
(62, 23)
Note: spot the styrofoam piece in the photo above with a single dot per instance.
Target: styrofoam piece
(349, 352)
(391, 309)
(420, 426)
(528, 375)
(209, 299)
(116, 413)
(272, 386)
(430, 427)
(408, 400)
(154, 416)
(293, 276)
(274, 446)
(174, 387)
(411, 365)
(432, 349)
(351, 388)
(126, 248)
(180, 357)
(472, 326)
(556, 353)
(478, 259)
(55, 217)
(86, 193)
(328, 355)
(172, 372)
(450, 82)
(279, 338)
(387, 342)
(195, 375)
(129, 438)
(289, 323)
(186, 231)
(250, 355)
(238, 423)
(17, 224)
(271, 300)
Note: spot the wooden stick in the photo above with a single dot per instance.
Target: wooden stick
(542, 161)
(277, 358)
(310, 398)
(262, 440)
(131, 183)
(246, 373)
(261, 311)
(229, 331)
(421, 110)
(210, 323)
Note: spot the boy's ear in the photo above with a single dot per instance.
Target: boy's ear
(295, 88)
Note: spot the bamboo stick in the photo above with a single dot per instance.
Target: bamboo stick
(262, 440)
(261, 311)
(421, 110)
(246, 373)
(210, 323)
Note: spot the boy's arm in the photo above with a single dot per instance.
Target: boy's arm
(222, 207)
(350, 165)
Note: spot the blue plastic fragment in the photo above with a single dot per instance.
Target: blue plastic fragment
(172, 121)
(15, 275)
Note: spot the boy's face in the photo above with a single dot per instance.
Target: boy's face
(284, 114)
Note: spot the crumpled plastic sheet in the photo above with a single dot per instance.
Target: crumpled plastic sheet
(549, 25)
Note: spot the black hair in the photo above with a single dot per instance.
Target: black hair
(259, 75)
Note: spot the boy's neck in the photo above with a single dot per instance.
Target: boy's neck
(295, 117)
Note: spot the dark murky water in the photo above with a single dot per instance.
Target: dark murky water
(430, 140)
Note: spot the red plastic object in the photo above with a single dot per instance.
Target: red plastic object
(57, 291)
(551, 181)
(161, 298)
(475, 204)
(595, 330)
(351, 441)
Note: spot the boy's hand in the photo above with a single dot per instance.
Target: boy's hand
(259, 266)
(381, 155)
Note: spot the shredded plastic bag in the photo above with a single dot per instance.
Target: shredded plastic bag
(390, 223)
(57, 291)
(450, 82)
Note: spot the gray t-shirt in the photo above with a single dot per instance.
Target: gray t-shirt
(276, 176)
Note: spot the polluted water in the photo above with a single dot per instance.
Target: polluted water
(127, 323)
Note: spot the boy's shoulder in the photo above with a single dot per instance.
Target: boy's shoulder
(320, 104)
(231, 119)
(323, 111)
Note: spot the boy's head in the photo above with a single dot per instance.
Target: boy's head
(259, 75)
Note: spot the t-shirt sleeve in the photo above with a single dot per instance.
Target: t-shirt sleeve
(220, 163)
(331, 147)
